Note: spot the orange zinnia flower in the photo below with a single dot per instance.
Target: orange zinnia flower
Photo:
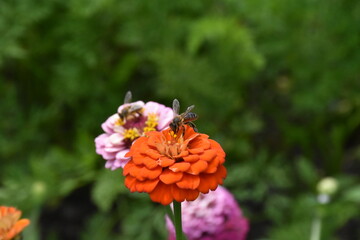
(171, 167)
(10, 225)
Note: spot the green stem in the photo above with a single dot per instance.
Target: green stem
(178, 223)
(316, 227)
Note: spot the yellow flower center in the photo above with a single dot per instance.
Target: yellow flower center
(151, 122)
(173, 135)
(131, 133)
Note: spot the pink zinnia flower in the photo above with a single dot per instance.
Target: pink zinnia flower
(120, 133)
(212, 216)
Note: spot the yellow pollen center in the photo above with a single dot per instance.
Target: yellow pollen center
(131, 133)
(172, 134)
(151, 122)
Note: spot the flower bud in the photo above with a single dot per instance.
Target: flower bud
(38, 190)
(327, 186)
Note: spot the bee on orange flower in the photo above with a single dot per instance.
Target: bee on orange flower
(131, 110)
(179, 120)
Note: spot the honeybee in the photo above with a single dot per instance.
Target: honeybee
(130, 110)
(184, 118)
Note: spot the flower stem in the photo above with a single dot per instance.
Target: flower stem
(178, 223)
(316, 227)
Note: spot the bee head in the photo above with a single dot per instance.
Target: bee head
(174, 127)
(122, 115)
(175, 124)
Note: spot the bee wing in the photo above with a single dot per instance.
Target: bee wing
(134, 107)
(128, 97)
(186, 113)
(176, 107)
(189, 109)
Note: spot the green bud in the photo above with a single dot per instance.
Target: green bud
(327, 185)
(38, 190)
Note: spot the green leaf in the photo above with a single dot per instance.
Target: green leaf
(108, 186)
(353, 194)
(306, 171)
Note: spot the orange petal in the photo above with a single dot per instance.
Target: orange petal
(137, 144)
(208, 155)
(127, 168)
(160, 147)
(189, 181)
(184, 145)
(146, 186)
(135, 170)
(162, 194)
(190, 134)
(152, 153)
(21, 224)
(153, 134)
(181, 154)
(204, 136)
(141, 173)
(153, 140)
(166, 134)
(220, 152)
(212, 166)
(190, 139)
(207, 182)
(211, 181)
(10, 234)
(165, 161)
(173, 150)
(195, 150)
(138, 158)
(150, 174)
(178, 194)
(191, 158)
(181, 195)
(150, 163)
(180, 167)
(141, 159)
(191, 195)
(200, 142)
(6, 210)
(197, 167)
(2, 211)
(130, 183)
(221, 174)
(169, 177)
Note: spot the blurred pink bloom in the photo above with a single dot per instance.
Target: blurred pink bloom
(119, 135)
(212, 216)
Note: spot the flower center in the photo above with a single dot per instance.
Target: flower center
(172, 148)
(138, 126)
(151, 122)
(6, 222)
(131, 134)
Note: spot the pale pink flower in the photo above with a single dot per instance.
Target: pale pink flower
(119, 135)
(212, 216)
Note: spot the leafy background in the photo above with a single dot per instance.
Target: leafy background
(275, 82)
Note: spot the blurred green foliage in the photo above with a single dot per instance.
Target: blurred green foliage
(275, 82)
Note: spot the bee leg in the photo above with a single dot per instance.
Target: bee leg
(183, 130)
(191, 124)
